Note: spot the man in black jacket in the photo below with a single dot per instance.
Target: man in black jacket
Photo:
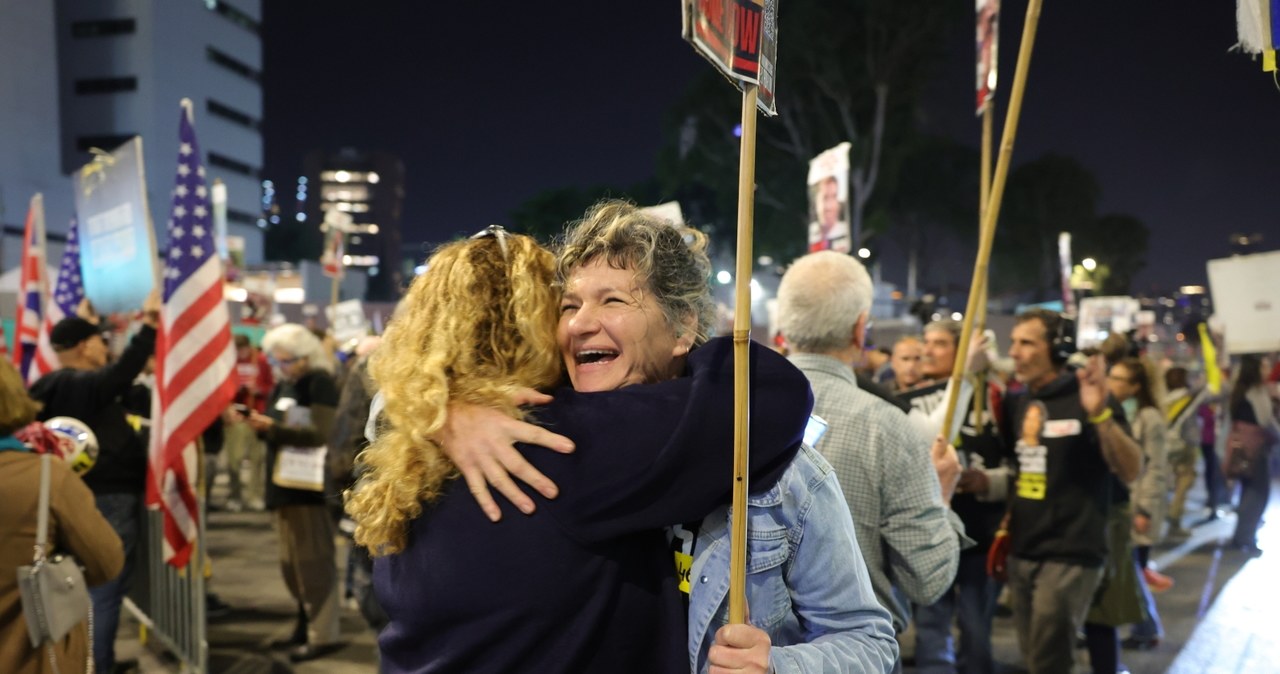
(90, 389)
(1067, 437)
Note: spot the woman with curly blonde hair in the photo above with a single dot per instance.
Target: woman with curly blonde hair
(445, 345)
(585, 583)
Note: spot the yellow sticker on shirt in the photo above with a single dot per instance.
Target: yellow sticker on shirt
(1032, 468)
(684, 567)
(1031, 486)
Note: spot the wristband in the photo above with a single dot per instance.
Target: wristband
(1102, 416)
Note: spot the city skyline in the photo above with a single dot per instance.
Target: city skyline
(1172, 124)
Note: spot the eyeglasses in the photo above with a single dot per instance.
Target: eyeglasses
(498, 232)
(282, 362)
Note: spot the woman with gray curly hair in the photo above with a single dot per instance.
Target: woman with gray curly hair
(295, 428)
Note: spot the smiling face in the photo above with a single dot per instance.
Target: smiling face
(613, 332)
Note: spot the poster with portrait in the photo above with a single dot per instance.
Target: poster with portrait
(829, 200)
(988, 49)
(117, 242)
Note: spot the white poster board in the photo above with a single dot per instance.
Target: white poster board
(1103, 316)
(667, 210)
(1246, 299)
(347, 320)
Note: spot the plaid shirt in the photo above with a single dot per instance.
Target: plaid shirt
(907, 537)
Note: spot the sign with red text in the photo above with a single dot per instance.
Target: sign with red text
(740, 37)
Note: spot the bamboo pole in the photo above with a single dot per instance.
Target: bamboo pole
(991, 213)
(984, 195)
(741, 372)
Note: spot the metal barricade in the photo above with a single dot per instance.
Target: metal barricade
(169, 603)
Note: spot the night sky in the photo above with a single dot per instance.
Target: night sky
(491, 103)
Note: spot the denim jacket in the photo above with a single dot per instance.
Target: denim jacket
(807, 583)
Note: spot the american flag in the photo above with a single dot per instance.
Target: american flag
(195, 359)
(32, 353)
(62, 303)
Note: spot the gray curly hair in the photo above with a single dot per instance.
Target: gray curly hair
(670, 259)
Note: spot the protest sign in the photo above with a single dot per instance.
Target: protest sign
(347, 320)
(1246, 299)
(117, 242)
(1103, 316)
(740, 37)
(829, 200)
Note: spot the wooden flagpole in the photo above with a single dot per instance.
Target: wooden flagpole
(741, 344)
(984, 195)
(991, 209)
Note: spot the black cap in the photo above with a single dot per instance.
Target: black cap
(69, 332)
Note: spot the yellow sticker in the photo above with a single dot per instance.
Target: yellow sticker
(1269, 61)
(684, 567)
(1032, 486)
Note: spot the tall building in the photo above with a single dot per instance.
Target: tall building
(118, 68)
(370, 187)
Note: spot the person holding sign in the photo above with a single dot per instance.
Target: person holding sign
(296, 426)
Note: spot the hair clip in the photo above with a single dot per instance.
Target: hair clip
(498, 232)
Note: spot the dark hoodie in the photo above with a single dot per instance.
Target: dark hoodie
(1063, 488)
(95, 397)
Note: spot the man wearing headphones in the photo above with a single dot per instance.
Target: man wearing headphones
(1066, 436)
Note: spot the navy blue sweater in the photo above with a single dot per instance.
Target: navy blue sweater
(587, 583)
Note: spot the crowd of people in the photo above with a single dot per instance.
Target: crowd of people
(534, 461)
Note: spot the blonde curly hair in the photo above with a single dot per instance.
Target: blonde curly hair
(480, 322)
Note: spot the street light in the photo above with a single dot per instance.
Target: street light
(1089, 264)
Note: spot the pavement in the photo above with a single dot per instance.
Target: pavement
(1219, 618)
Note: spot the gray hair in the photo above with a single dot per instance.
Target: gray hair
(820, 299)
(948, 325)
(299, 342)
(671, 260)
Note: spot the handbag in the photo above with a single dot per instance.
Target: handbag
(55, 597)
(1245, 443)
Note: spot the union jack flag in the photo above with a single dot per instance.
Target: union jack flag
(195, 359)
(32, 353)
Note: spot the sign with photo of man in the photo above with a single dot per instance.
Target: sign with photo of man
(829, 200)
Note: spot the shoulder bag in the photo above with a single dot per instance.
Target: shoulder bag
(55, 597)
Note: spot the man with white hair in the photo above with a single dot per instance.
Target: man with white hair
(898, 493)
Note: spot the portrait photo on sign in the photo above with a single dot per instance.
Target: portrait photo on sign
(829, 201)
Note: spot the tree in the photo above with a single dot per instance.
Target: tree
(1044, 197)
(544, 215)
(933, 192)
(847, 71)
(1117, 242)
